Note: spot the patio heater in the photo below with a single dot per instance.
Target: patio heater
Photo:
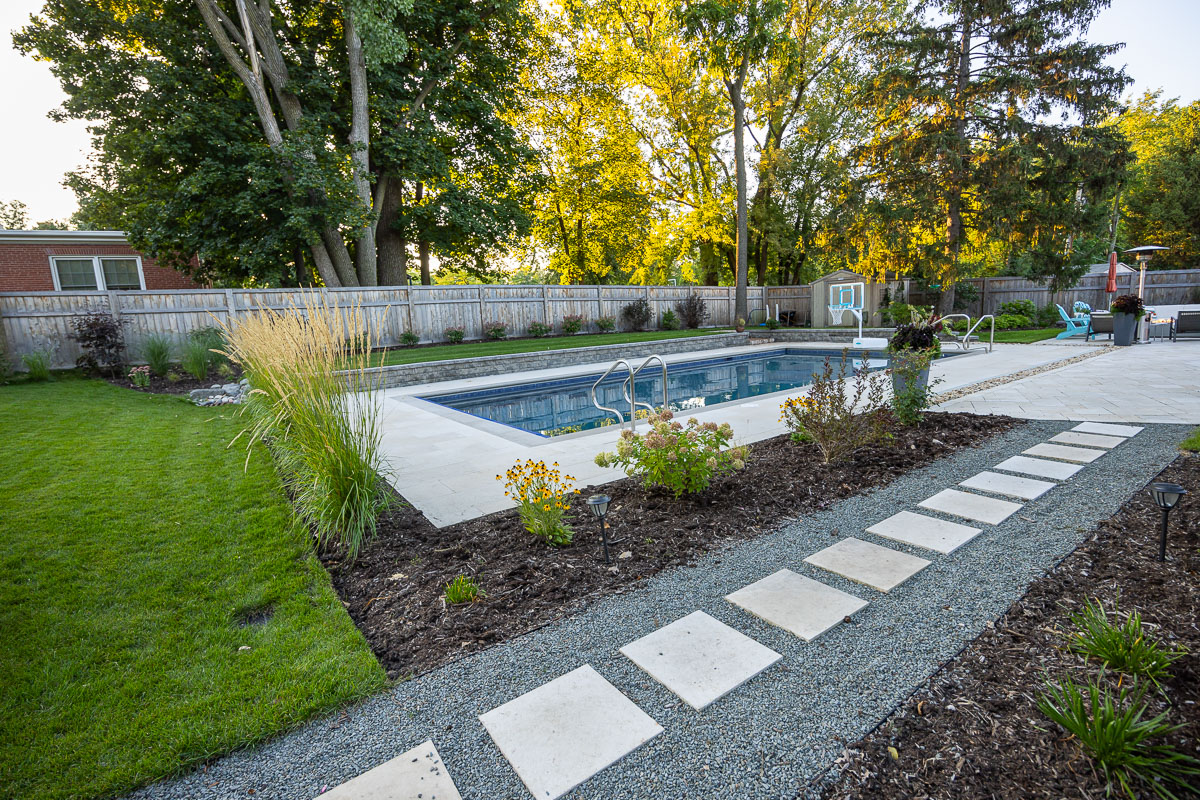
(1144, 253)
(1166, 496)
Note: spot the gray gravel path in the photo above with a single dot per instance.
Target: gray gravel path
(771, 737)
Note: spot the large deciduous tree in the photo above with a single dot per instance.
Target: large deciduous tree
(262, 133)
(1160, 204)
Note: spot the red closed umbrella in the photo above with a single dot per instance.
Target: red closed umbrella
(1111, 286)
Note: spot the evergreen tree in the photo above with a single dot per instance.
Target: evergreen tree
(977, 100)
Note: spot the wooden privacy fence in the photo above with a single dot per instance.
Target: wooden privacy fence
(41, 321)
(1163, 287)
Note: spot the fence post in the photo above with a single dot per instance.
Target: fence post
(546, 305)
(230, 307)
(599, 303)
(479, 291)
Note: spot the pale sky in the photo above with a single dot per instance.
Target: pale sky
(1162, 51)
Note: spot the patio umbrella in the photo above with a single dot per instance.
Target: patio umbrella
(1111, 286)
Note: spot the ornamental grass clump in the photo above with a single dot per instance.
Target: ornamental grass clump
(543, 498)
(1115, 730)
(682, 459)
(463, 590)
(839, 414)
(311, 399)
(1122, 646)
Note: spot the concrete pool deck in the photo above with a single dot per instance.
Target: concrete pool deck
(445, 462)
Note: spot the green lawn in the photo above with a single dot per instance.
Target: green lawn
(1023, 337)
(1192, 442)
(413, 355)
(132, 544)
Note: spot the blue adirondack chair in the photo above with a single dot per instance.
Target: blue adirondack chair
(1075, 327)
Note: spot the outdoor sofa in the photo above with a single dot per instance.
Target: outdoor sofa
(1187, 323)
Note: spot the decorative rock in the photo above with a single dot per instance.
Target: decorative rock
(699, 658)
(797, 604)
(230, 388)
(870, 564)
(564, 732)
(419, 773)
(922, 531)
(196, 395)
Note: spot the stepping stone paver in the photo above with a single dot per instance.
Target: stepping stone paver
(564, 732)
(870, 564)
(1108, 429)
(419, 773)
(971, 506)
(1011, 485)
(1087, 439)
(922, 531)
(699, 658)
(1040, 467)
(1080, 455)
(797, 604)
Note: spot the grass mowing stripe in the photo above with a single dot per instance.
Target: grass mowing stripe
(504, 347)
(132, 543)
(1020, 337)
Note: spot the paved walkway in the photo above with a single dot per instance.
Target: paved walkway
(742, 676)
(1158, 382)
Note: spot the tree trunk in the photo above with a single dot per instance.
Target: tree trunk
(366, 264)
(740, 305)
(423, 254)
(392, 244)
(959, 154)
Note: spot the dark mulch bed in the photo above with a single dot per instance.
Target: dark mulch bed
(185, 383)
(394, 590)
(975, 730)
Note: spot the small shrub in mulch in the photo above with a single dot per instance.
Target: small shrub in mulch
(976, 731)
(394, 589)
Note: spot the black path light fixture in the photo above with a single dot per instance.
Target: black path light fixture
(598, 503)
(1166, 495)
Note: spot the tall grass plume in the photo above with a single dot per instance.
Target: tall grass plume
(311, 399)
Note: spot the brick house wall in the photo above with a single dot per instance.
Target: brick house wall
(25, 259)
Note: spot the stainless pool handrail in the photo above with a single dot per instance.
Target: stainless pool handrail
(620, 417)
(629, 382)
(964, 341)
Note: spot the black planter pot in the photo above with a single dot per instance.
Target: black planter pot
(900, 381)
(1124, 329)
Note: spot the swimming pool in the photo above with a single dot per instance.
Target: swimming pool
(552, 408)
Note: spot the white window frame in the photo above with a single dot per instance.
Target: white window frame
(98, 270)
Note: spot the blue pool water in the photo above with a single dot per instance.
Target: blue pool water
(553, 408)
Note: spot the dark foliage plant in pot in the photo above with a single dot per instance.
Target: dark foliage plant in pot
(913, 347)
(1126, 309)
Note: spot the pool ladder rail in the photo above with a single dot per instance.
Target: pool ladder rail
(964, 341)
(629, 389)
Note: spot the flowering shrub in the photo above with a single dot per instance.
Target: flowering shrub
(496, 330)
(828, 415)
(606, 324)
(573, 323)
(683, 459)
(542, 495)
(454, 334)
(539, 329)
(140, 377)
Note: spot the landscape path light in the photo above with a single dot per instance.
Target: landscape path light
(1166, 495)
(598, 503)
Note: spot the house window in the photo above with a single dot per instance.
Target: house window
(91, 273)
